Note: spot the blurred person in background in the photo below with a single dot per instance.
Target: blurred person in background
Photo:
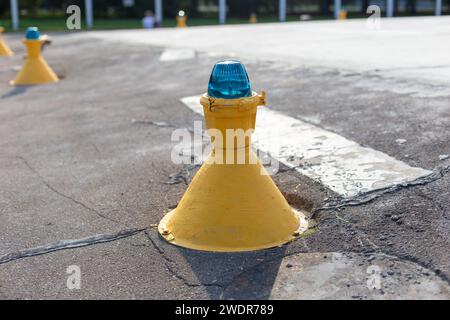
(149, 21)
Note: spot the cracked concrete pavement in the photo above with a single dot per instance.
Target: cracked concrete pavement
(85, 173)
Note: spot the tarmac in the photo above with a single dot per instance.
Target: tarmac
(86, 170)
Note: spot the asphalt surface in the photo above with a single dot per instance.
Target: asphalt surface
(90, 157)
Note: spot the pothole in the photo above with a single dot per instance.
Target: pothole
(299, 202)
(303, 208)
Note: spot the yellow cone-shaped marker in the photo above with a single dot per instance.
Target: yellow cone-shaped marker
(181, 19)
(342, 15)
(231, 204)
(4, 49)
(35, 69)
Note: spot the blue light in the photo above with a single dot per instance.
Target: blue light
(229, 80)
(32, 33)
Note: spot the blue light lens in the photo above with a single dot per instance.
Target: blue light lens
(229, 80)
(32, 33)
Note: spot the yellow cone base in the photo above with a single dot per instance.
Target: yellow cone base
(232, 207)
(35, 71)
(4, 49)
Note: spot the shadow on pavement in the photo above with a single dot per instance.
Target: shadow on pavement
(15, 92)
(241, 275)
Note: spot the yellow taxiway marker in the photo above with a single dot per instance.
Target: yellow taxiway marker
(4, 49)
(35, 69)
(232, 204)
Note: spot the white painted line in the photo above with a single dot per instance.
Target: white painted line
(177, 54)
(340, 164)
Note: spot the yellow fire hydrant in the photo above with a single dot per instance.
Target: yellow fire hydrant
(35, 69)
(4, 49)
(253, 18)
(342, 15)
(231, 204)
(181, 19)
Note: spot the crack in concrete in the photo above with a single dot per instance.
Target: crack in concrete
(186, 282)
(406, 257)
(160, 124)
(96, 148)
(160, 251)
(423, 264)
(270, 260)
(68, 244)
(358, 232)
(380, 253)
(334, 204)
(364, 198)
(378, 249)
(182, 176)
(49, 186)
(168, 263)
(434, 203)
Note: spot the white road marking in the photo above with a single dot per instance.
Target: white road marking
(177, 54)
(340, 164)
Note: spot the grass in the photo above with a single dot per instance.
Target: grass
(59, 23)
